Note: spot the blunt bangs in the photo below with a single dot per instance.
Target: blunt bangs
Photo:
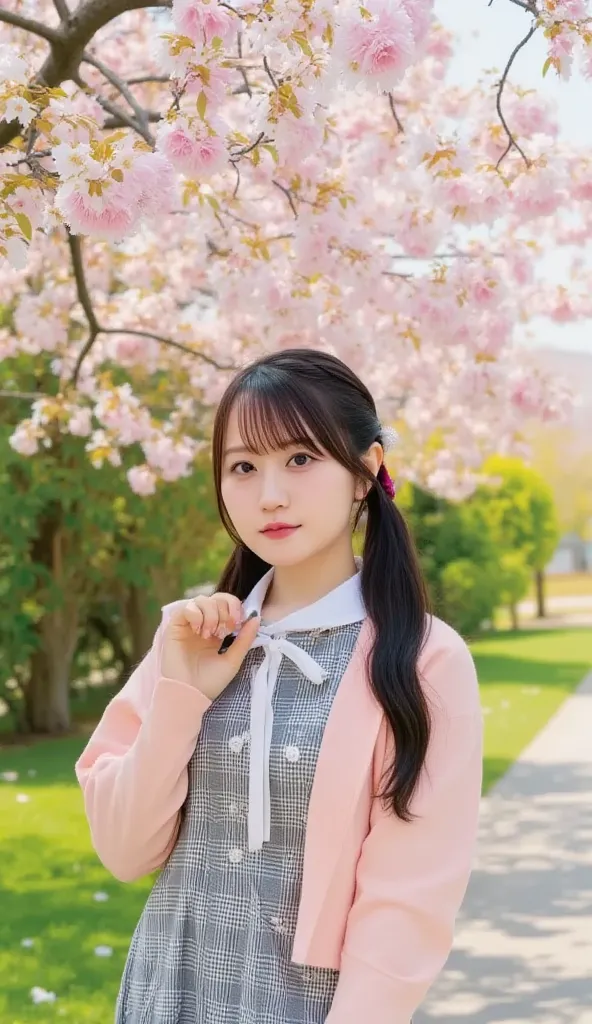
(274, 413)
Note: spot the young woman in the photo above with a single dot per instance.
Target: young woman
(311, 793)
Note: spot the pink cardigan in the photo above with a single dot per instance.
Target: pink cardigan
(379, 896)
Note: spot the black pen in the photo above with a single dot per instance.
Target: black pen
(229, 640)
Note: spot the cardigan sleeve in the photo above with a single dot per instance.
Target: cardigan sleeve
(133, 771)
(411, 877)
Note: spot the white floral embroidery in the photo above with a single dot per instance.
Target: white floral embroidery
(292, 754)
(235, 855)
(236, 744)
(233, 810)
(278, 925)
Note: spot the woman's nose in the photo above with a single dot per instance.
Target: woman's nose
(273, 493)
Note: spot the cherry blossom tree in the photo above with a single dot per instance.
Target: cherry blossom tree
(186, 185)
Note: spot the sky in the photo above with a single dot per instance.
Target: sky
(487, 34)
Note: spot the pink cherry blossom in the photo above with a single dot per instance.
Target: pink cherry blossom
(377, 50)
(172, 458)
(113, 219)
(142, 480)
(379, 229)
(420, 14)
(24, 440)
(203, 20)
(194, 150)
(80, 422)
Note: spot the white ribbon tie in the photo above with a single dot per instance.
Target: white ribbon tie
(262, 688)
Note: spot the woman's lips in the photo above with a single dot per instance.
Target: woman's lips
(277, 531)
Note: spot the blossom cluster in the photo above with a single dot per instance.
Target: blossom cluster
(255, 175)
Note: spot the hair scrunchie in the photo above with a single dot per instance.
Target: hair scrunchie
(386, 481)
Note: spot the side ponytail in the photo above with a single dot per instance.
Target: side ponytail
(395, 596)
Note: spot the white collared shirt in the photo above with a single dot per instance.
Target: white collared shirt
(340, 607)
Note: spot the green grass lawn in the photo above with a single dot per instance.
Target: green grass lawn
(50, 873)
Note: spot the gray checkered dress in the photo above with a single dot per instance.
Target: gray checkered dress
(214, 941)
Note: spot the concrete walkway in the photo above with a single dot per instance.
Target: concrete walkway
(523, 950)
(556, 605)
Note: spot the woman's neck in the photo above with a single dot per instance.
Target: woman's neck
(296, 586)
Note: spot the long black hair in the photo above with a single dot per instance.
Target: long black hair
(307, 397)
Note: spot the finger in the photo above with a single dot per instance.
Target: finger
(187, 616)
(209, 610)
(225, 618)
(236, 610)
(193, 617)
(245, 638)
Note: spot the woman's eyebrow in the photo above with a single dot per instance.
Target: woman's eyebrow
(236, 449)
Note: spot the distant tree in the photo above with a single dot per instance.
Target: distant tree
(520, 512)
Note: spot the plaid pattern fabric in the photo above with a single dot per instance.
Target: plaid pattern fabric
(214, 941)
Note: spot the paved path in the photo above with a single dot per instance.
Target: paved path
(555, 605)
(523, 951)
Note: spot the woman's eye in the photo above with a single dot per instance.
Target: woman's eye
(301, 459)
(242, 468)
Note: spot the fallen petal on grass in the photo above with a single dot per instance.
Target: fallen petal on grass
(103, 951)
(9, 776)
(27, 943)
(22, 798)
(101, 897)
(41, 995)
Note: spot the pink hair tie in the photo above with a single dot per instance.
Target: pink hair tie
(386, 481)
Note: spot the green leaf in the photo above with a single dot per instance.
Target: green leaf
(25, 225)
(273, 153)
(202, 104)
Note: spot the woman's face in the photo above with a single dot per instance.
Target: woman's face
(311, 495)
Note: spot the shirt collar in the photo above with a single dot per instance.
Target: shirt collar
(340, 607)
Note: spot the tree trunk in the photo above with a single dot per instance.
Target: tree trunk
(47, 694)
(140, 622)
(514, 616)
(539, 578)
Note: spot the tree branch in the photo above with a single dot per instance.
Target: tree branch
(288, 196)
(530, 7)
(234, 157)
(167, 341)
(116, 122)
(121, 87)
(95, 327)
(31, 396)
(269, 73)
(148, 79)
(85, 301)
(51, 35)
(498, 100)
(69, 42)
(81, 286)
(62, 9)
(115, 110)
(239, 45)
(394, 113)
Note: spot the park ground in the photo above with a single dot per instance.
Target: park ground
(66, 924)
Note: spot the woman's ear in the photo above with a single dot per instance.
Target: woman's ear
(373, 459)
